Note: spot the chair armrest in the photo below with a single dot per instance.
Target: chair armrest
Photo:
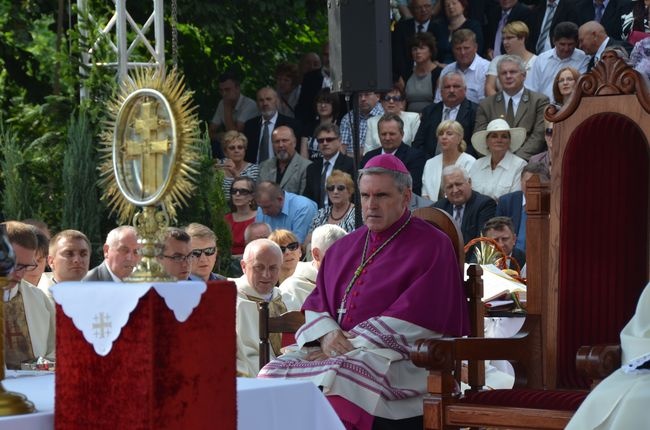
(599, 361)
(523, 350)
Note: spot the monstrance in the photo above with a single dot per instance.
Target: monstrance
(150, 148)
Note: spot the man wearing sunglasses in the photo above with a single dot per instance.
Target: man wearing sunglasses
(205, 252)
(328, 137)
(177, 257)
(120, 256)
(29, 316)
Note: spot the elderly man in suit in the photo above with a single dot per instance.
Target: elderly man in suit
(328, 137)
(470, 209)
(519, 106)
(454, 105)
(607, 13)
(594, 40)
(258, 129)
(391, 131)
(120, 256)
(287, 168)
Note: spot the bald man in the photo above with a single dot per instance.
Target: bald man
(261, 266)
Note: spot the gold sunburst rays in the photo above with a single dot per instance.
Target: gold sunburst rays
(149, 145)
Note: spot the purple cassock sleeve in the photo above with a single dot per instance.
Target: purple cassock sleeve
(414, 278)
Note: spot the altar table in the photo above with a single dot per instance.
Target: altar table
(261, 403)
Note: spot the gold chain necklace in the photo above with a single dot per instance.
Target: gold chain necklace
(364, 262)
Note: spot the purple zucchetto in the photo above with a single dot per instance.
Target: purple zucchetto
(388, 162)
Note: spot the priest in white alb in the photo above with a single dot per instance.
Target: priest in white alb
(261, 266)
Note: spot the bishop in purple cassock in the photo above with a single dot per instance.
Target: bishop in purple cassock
(379, 289)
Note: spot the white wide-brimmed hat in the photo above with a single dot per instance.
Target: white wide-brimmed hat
(517, 136)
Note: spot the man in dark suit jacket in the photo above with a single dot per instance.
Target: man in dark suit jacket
(267, 103)
(329, 144)
(391, 132)
(422, 20)
(611, 18)
(501, 230)
(452, 91)
(516, 12)
(565, 10)
(120, 256)
(594, 40)
(512, 204)
(461, 202)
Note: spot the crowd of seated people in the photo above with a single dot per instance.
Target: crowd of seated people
(464, 121)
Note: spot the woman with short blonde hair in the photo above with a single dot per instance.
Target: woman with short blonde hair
(451, 146)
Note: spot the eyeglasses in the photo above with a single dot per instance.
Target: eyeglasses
(177, 258)
(549, 132)
(393, 98)
(242, 191)
(26, 267)
(291, 247)
(338, 187)
(236, 147)
(210, 251)
(326, 139)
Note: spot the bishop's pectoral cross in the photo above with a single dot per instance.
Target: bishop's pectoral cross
(148, 148)
(340, 311)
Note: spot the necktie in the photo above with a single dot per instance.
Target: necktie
(458, 214)
(420, 28)
(592, 63)
(510, 114)
(543, 35)
(445, 113)
(498, 38)
(264, 142)
(600, 8)
(323, 179)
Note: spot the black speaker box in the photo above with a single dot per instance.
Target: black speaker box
(360, 51)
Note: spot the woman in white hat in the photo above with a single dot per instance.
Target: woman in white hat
(452, 152)
(499, 172)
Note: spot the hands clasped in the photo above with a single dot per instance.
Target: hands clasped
(332, 344)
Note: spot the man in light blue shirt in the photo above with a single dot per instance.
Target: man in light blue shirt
(284, 210)
(548, 63)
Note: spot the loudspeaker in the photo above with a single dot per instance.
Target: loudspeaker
(360, 50)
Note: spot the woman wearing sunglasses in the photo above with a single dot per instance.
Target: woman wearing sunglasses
(291, 252)
(234, 147)
(242, 205)
(340, 211)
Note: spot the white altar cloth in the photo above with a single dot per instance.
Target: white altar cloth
(283, 404)
(261, 403)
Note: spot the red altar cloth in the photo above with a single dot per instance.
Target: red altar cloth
(160, 373)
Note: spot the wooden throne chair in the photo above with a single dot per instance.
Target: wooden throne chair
(588, 260)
